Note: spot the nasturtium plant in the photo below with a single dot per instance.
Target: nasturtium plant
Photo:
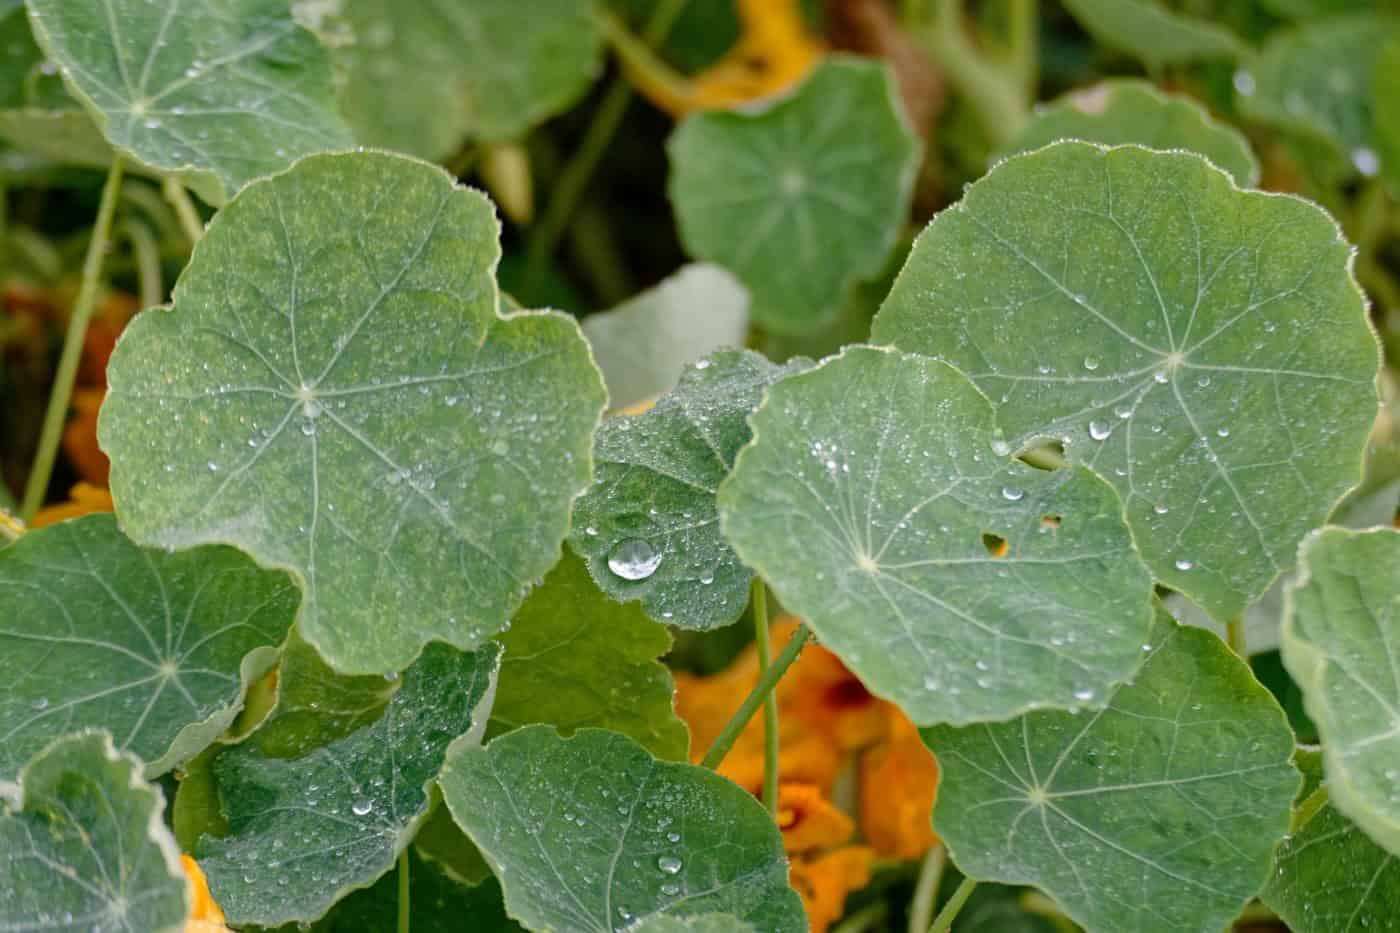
(707, 923)
(1211, 356)
(1154, 32)
(801, 198)
(1387, 118)
(155, 648)
(337, 332)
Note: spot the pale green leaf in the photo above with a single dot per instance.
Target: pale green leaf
(709, 923)
(84, 848)
(649, 526)
(1153, 33)
(221, 90)
(1341, 641)
(1159, 812)
(1129, 111)
(304, 832)
(874, 502)
(802, 197)
(593, 834)
(333, 392)
(574, 658)
(155, 648)
(1204, 349)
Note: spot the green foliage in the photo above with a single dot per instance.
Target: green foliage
(1154, 33)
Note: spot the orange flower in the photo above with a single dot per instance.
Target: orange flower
(80, 437)
(898, 784)
(205, 917)
(83, 499)
(819, 691)
(808, 820)
(823, 883)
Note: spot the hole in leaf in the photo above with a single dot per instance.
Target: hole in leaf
(996, 545)
(1050, 521)
(1044, 455)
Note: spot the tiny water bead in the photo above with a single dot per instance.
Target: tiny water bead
(669, 864)
(362, 807)
(1184, 564)
(1011, 493)
(634, 559)
(1100, 430)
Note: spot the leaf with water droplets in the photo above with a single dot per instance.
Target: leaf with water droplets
(1341, 641)
(1154, 33)
(708, 923)
(334, 393)
(221, 91)
(801, 198)
(951, 578)
(1159, 812)
(1218, 331)
(593, 833)
(82, 845)
(648, 526)
(1130, 111)
(303, 832)
(155, 648)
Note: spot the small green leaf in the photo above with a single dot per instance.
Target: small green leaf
(83, 847)
(801, 198)
(333, 392)
(644, 344)
(574, 658)
(1153, 33)
(649, 526)
(155, 648)
(874, 502)
(303, 832)
(592, 833)
(1129, 111)
(1159, 812)
(19, 57)
(1211, 355)
(1341, 638)
(709, 923)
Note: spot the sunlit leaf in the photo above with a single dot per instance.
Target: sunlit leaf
(82, 846)
(334, 393)
(1204, 349)
(593, 833)
(1341, 639)
(1153, 33)
(155, 648)
(802, 197)
(648, 525)
(1159, 812)
(956, 581)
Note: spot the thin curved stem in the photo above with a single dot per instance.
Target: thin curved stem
(944, 922)
(185, 210)
(404, 902)
(926, 889)
(1235, 637)
(770, 703)
(766, 682)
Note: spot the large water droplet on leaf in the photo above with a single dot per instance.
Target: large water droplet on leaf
(634, 559)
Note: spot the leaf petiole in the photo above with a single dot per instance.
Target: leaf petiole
(404, 901)
(770, 703)
(766, 682)
(944, 921)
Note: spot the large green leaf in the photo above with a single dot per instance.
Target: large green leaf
(1341, 641)
(1329, 876)
(303, 832)
(1159, 812)
(709, 923)
(1211, 356)
(592, 833)
(801, 198)
(644, 344)
(874, 502)
(574, 658)
(1130, 111)
(82, 846)
(648, 525)
(155, 648)
(334, 393)
(1151, 32)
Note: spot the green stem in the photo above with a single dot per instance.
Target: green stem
(1001, 104)
(926, 889)
(403, 892)
(147, 253)
(766, 682)
(949, 913)
(1235, 637)
(57, 412)
(1023, 44)
(179, 199)
(867, 918)
(770, 702)
(1308, 808)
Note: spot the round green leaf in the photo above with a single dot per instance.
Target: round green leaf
(648, 525)
(304, 832)
(155, 648)
(333, 392)
(82, 847)
(874, 502)
(709, 923)
(591, 833)
(1129, 111)
(225, 90)
(1341, 641)
(1153, 33)
(1211, 356)
(802, 198)
(1159, 812)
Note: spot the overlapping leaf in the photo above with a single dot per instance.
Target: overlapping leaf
(334, 393)
(302, 832)
(1341, 642)
(801, 198)
(1153, 33)
(593, 833)
(648, 525)
(155, 648)
(874, 501)
(83, 847)
(1159, 812)
(1211, 356)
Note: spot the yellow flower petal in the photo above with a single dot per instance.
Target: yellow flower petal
(823, 883)
(898, 784)
(83, 499)
(205, 917)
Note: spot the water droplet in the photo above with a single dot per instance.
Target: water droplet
(707, 578)
(213, 467)
(1184, 564)
(1366, 161)
(1100, 430)
(308, 427)
(1091, 363)
(1084, 695)
(1001, 448)
(669, 864)
(500, 448)
(1011, 493)
(673, 837)
(1244, 82)
(702, 364)
(634, 559)
(41, 703)
(591, 531)
(1160, 509)
(1161, 376)
(1222, 432)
